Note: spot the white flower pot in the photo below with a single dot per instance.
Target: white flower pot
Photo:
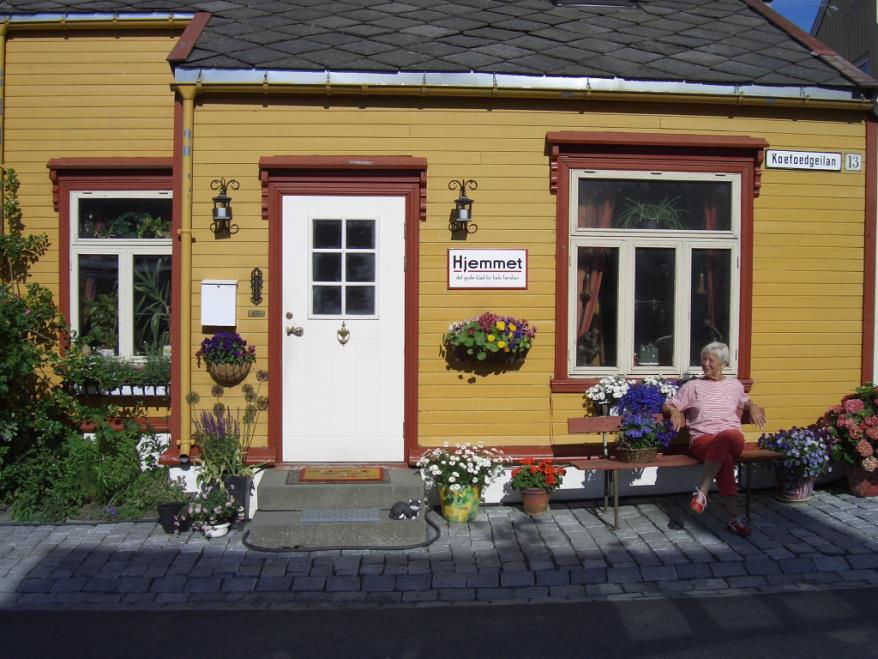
(217, 531)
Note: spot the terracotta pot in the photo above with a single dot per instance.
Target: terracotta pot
(862, 483)
(228, 375)
(535, 500)
(461, 505)
(792, 488)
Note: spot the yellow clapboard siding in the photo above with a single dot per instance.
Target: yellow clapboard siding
(828, 276)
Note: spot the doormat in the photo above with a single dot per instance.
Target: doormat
(339, 475)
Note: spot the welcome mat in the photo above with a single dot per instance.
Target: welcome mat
(338, 475)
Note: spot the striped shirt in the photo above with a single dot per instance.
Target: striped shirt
(710, 406)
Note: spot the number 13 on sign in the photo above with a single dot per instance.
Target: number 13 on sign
(853, 162)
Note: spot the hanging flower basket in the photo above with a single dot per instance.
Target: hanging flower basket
(489, 337)
(228, 375)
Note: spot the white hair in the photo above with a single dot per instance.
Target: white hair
(721, 350)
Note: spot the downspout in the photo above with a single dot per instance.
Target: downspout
(184, 338)
(3, 29)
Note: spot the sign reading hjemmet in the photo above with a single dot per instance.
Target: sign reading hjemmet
(487, 268)
(814, 160)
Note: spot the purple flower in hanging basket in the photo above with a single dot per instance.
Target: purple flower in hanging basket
(226, 348)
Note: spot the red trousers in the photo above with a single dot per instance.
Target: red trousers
(722, 448)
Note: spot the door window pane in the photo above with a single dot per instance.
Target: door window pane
(99, 301)
(128, 218)
(360, 234)
(360, 300)
(654, 282)
(326, 267)
(711, 295)
(597, 291)
(152, 304)
(654, 205)
(327, 234)
(326, 300)
(360, 267)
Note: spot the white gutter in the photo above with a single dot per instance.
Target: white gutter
(498, 82)
(96, 17)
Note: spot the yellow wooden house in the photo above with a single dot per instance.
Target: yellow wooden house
(643, 178)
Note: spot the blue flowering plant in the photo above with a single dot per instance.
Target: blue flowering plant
(642, 425)
(226, 348)
(806, 451)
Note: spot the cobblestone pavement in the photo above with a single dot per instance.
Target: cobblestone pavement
(504, 556)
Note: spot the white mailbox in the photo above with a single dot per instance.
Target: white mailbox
(218, 298)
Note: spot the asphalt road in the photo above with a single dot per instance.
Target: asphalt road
(836, 624)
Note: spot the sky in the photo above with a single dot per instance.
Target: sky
(800, 12)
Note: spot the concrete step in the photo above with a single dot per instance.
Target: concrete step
(278, 491)
(319, 529)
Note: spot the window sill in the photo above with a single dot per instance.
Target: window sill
(579, 385)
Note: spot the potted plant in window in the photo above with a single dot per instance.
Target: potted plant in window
(536, 482)
(490, 336)
(806, 456)
(227, 356)
(663, 214)
(642, 430)
(854, 427)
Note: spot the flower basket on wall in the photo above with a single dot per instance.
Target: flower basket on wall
(490, 338)
(227, 356)
(228, 375)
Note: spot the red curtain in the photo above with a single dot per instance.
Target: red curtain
(593, 213)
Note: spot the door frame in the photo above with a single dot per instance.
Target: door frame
(397, 176)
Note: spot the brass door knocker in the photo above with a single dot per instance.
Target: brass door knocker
(343, 334)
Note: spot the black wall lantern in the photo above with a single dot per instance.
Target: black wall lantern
(222, 207)
(463, 207)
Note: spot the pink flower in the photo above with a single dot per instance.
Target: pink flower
(853, 405)
(856, 432)
(872, 433)
(870, 464)
(864, 448)
(836, 409)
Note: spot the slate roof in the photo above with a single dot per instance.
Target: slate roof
(713, 41)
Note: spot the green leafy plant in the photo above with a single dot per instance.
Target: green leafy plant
(664, 214)
(101, 317)
(544, 476)
(152, 307)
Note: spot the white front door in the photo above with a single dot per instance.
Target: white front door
(343, 328)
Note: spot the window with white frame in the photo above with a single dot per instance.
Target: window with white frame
(120, 284)
(654, 269)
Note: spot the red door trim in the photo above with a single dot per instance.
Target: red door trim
(349, 175)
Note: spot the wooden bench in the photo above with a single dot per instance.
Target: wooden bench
(611, 466)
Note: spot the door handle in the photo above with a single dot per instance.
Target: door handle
(298, 331)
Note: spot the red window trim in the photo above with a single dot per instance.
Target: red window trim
(84, 174)
(573, 150)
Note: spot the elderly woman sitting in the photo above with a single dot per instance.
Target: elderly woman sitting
(711, 407)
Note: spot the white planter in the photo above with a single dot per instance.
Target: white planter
(217, 531)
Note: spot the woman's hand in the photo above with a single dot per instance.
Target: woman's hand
(678, 419)
(757, 415)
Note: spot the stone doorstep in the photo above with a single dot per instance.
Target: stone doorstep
(275, 494)
(278, 530)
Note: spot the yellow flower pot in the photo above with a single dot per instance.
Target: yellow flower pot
(459, 505)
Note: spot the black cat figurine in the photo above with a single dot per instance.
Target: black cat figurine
(405, 510)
